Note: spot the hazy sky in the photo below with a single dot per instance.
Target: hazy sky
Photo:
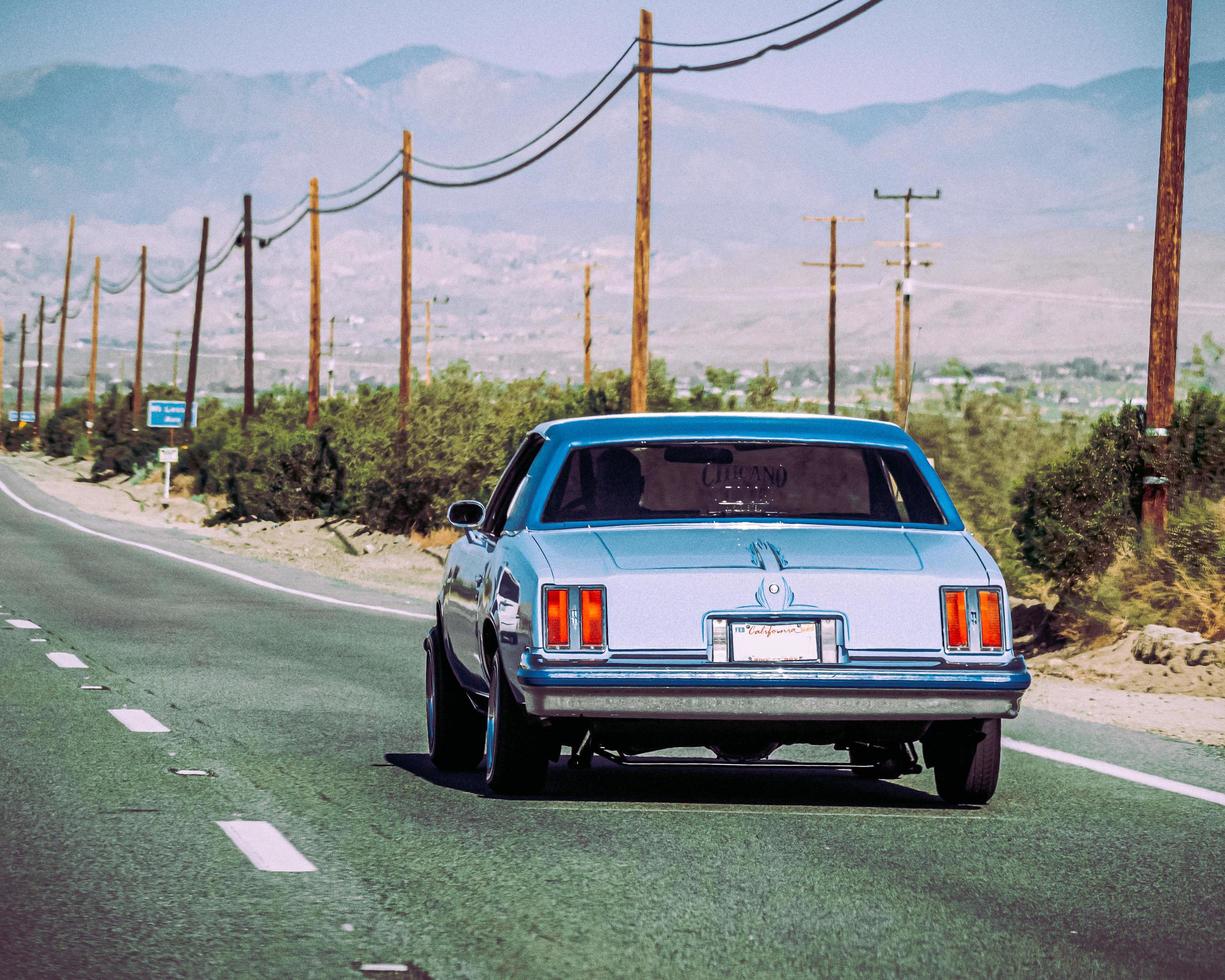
(903, 50)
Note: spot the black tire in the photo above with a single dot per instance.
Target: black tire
(516, 753)
(456, 730)
(966, 758)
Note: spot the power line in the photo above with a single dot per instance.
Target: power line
(863, 8)
(599, 106)
(541, 135)
(746, 37)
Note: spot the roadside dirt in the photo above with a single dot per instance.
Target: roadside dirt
(1104, 684)
(1181, 716)
(410, 566)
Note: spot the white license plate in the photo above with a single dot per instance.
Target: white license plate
(774, 642)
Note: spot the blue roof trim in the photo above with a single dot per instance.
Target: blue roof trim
(725, 425)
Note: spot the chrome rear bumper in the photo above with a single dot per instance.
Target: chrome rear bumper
(780, 693)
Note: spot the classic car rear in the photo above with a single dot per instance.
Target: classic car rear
(735, 582)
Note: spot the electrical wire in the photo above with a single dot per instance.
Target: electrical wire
(490, 178)
(284, 214)
(539, 136)
(357, 187)
(746, 37)
(863, 8)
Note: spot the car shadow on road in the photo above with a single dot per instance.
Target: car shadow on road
(606, 782)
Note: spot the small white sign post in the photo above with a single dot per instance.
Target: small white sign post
(167, 455)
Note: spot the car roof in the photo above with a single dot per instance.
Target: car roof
(596, 429)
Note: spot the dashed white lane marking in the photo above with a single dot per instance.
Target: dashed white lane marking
(1119, 772)
(209, 566)
(265, 846)
(22, 624)
(137, 720)
(67, 660)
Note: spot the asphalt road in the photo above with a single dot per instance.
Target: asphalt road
(309, 717)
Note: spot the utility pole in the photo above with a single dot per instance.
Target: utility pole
(406, 286)
(91, 403)
(1167, 248)
(248, 298)
(21, 372)
(906, 245)
(2, 373)
(833, 265)
(138, 392)
(312, 369)
(898, 366)
(587, 325)
(59, 357)
(429, 330)
(38, 368)
(193, 356)
(331, 358)
(639, 352)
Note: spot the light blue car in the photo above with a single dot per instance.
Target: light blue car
(733, 582)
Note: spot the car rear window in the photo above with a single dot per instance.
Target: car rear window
(696, 480)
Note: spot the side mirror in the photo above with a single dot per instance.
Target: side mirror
(466, 514)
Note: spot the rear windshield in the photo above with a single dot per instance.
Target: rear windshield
(681, 480)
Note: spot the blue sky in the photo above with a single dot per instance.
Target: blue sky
(903, 50)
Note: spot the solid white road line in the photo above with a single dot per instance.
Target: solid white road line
(265, 846)
(136, 720)
(1119, 772)
(209, 566)
(22, 624)
(68, 660)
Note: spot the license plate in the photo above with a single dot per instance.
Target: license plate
(775, 642)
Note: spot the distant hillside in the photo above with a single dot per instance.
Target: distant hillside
(139, 154)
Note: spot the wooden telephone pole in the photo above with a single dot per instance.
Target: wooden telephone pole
(38, 368)
(904, 369)
(429, 332)
(194, 353)
(587, 325)
(21, 372)
(2, 372)
(1167, 248)
(406, 284)
(833, 265)
(92, 399)
(248, 300)
(138, 391)
(140, 327)
(639, 353)
(59, 357)
(312, 370)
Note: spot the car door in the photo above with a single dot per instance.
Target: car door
(473, 559)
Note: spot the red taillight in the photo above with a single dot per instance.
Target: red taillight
(990, 625)
(557, 602)
(956, 630)
(593, 617)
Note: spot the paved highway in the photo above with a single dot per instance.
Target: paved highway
(307, 718)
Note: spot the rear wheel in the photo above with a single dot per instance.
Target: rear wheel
(454, 727)
(966, 759)
(516, 753)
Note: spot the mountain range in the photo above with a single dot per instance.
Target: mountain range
(1044, 191)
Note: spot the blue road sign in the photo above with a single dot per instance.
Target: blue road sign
(170, 415)
(25, 417)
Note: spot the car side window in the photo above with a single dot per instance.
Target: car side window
(508, 486)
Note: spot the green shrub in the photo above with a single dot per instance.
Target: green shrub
(61, 432)
(123, 443)
(1071, 515)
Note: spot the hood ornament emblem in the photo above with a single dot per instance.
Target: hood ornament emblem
(774, 592)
